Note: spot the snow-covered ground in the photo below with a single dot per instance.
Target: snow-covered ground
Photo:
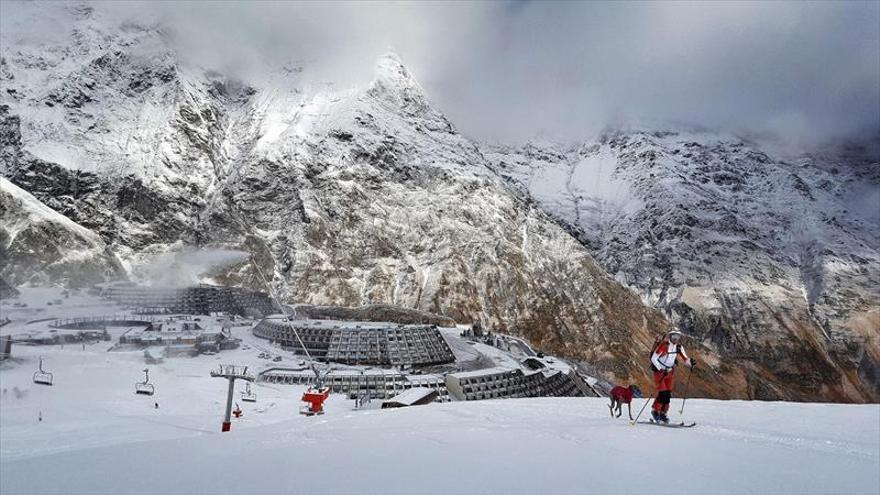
(97, 436)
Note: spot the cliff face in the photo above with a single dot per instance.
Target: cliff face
(772, 262)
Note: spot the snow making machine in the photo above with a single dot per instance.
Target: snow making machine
(247, 395)
(314, 398)
(42, 376)
(145, 387)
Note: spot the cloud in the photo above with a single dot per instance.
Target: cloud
(513, 71)
(809, 69)
(186, 267)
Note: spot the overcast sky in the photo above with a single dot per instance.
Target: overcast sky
(514, 71)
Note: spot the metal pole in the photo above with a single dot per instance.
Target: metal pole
(633, 422)
(686, 386)
(227, 424)
(318, 381)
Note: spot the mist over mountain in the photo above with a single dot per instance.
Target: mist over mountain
(804, 72)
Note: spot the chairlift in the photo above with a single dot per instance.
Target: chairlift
(42, 376)
(145, 387)
(315, 395)
(247, 395)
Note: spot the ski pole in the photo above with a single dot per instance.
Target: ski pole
(686, 385)
(639, 415)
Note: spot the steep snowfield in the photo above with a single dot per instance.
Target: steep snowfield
(25, 210)
(51, 247)
(97, 436)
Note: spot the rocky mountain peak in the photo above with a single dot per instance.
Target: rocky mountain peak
(393, 83)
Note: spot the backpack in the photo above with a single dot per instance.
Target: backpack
(657, 341)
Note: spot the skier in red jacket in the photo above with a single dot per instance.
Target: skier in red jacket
(663, 362)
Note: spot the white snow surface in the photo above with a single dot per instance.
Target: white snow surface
(97, 436)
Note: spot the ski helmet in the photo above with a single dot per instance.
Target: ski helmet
(674, 334)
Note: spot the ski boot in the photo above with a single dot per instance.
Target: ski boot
(662, 418)
(656, 416)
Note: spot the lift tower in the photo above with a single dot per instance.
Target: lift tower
(231, 372)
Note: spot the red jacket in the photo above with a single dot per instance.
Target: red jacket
(665, 357)
(622, 394)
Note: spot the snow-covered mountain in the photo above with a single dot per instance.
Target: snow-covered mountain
(344, 197)
(773, 262)
(42, 247)
(370, 195)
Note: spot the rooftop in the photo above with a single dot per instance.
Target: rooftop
(340, 324)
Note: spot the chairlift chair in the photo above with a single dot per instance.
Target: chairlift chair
(247, 395)
(145, 387)
(42, 376)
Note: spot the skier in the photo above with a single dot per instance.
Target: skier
(663, 361)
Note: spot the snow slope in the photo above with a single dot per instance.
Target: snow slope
(52, 247)
(97, 436)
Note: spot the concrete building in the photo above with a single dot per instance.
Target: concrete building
(60, 336)
(376, 384)
(203, 336)
(5, 347)
(202, 299)
(376, 343)
(497, 383)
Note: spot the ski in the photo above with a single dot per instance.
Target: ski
(669, 425)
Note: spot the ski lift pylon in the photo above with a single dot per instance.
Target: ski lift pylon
(231, 372)
(42, 376)
(145, 387)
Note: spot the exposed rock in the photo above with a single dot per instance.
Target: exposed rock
(7, 291)
(767, 261)
(375, 312)
(39, 246)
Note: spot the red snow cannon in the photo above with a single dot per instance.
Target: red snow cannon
(315, 398)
